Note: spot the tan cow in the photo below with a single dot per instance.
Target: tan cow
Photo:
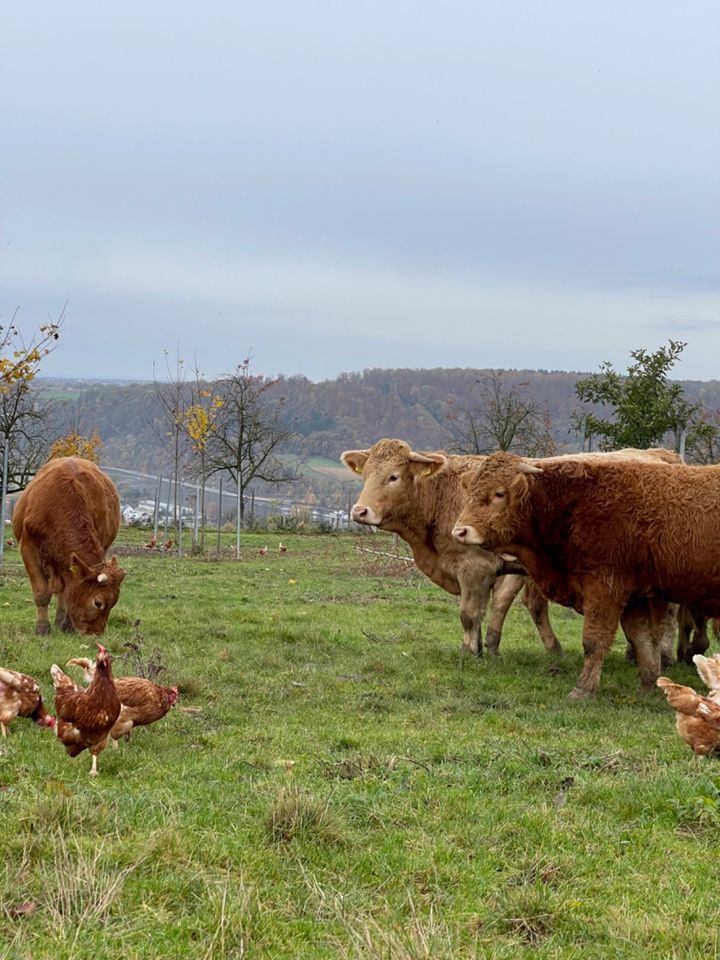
(407, 493)
(64, 521)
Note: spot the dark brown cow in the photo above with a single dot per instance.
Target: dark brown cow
(418, 496)
(64, 521)
(609, 538)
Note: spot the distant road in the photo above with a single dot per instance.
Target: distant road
(191, 485)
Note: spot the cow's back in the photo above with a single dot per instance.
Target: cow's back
(69, 501)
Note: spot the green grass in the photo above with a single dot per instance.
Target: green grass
(339, 783)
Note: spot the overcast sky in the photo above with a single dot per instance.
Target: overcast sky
(385, 183)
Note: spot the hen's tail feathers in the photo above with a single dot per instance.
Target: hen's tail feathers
(9, 678)
(682, 699)
(686, 701)
(709, 670)
(87, 667)
(59, 678)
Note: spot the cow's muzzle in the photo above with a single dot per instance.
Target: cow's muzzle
(467, 535)
(362, 514)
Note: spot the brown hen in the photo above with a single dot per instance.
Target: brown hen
(697, 718)
(86, 715)
(142, 701)
(20, 697)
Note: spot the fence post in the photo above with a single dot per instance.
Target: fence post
(197, 507)
(3, 497)
(237, 526)
(156, 511)
(180, 523)
(219, 517)
(167, 509)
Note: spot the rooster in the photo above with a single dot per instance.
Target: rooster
(282, 549)
(9, 542)
(151, 544)
(263, 551)
(168, 545)
(697, 718)
(142, 701)
(20, 697)
(86, 715)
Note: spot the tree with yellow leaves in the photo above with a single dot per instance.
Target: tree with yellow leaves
(73, 445)
(20, 361)
(199, 423)
(23, 413)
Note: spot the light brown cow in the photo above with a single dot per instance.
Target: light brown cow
(609, 538)
(64, 521)
(398, 497)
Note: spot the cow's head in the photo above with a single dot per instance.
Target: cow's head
(390, 470)
(91, 593)
(493, 495)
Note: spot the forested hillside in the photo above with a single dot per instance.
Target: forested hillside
(353, 410)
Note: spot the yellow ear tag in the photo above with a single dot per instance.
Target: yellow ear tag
(75, 570)
(427, 472)
(357, 469)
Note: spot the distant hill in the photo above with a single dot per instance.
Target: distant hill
(351, 411)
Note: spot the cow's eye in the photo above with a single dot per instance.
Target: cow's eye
(499, 494)
(98, 604)
(393, 478)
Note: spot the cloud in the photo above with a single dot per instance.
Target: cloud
(693, 324)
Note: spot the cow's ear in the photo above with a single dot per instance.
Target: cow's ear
(426, 464)
(519, 487)
(77, 567)
(355, 459)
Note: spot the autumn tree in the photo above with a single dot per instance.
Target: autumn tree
(23, 412)
(248, 430)
(172, 395)
(503, 417)
(702, 443)
(641, 407)
(74, 445)
(199, 421)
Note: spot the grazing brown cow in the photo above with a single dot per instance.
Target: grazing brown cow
(407, 493)
(64, 521)
(609, 538)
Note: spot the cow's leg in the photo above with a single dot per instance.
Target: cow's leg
(538, 608)
(62, 619)
(700, 640)
(602, 616)
(64, 622)
(40, 585)
(474, 594)
(668, 629)
(504, 591)
(646, 624)
(685, 624)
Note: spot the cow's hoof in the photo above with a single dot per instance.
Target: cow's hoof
(579, 693)
(67, 626)
(42, 629)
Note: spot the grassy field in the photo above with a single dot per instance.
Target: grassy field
(338, 783)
